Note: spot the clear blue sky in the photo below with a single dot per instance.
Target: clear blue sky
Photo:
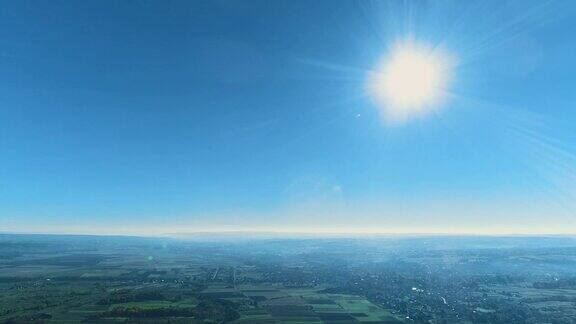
(164, 116)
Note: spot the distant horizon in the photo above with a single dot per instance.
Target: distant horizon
(293, 234)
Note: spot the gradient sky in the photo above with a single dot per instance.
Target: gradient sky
(182, 116)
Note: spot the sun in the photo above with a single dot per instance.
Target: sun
(410, 82)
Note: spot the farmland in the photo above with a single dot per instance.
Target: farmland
(80, 279)
(95, 279)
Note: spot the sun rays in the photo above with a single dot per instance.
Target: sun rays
(419, 75)
(410, 82)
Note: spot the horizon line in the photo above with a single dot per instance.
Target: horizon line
(281, 234)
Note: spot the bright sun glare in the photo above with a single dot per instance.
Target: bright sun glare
(411, 81)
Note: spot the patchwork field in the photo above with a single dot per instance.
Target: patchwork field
(52, 279)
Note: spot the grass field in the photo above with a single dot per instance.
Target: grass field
(286, 305)
(71, 287)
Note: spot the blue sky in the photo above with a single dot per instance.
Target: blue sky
(174, 116)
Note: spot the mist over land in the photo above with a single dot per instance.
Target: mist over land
(247, 278)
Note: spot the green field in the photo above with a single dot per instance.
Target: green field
(156, 286)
